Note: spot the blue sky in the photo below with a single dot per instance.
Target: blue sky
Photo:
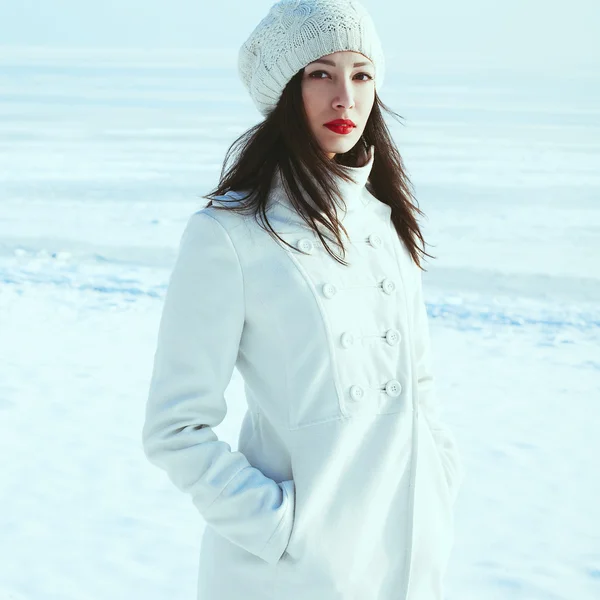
(505, 32)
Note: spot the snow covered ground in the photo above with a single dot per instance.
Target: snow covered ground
(102, 159)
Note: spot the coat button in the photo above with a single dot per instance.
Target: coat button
(305, 245)
(329, 290)
(388, 286)
(347, 339)
(392, 337)
(375, 240)
(356, 392)
(393, 387)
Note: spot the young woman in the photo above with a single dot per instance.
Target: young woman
(303, 271)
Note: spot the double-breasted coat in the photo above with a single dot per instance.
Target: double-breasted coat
(345, 476)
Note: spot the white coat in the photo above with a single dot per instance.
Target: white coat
(344, 481)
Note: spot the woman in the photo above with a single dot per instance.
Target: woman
(303, 272)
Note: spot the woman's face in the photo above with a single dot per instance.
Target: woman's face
(338, 86)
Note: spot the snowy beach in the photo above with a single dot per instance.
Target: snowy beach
(103, 157)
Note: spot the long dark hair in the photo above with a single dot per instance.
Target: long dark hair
(283, 139)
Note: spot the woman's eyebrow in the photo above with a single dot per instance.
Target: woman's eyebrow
(332, 64)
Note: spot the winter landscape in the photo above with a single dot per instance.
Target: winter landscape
(103, 156)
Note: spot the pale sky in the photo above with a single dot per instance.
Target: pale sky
(504, 32)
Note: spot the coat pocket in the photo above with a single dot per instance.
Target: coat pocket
(289, 552)
(444, 476)
(448, 453)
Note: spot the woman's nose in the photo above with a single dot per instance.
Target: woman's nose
(345, 96)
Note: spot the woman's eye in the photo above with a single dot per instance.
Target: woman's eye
(317, 75)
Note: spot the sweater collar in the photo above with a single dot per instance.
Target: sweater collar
(354, 192)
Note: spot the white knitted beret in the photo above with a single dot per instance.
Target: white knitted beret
(296, 32)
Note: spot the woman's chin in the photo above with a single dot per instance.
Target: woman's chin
(339, 146)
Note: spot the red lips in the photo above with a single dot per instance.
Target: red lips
(341, 126)
(347, 122)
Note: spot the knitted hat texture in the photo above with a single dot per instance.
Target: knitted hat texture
(297, 32)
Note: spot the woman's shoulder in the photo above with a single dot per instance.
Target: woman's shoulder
(231, 199)
(227, 209)
(233, 214)
(237, 207)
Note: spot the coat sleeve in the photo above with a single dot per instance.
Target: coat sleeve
(198, 341)
(429, 403)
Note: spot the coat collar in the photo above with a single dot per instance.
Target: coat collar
(354, 192)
